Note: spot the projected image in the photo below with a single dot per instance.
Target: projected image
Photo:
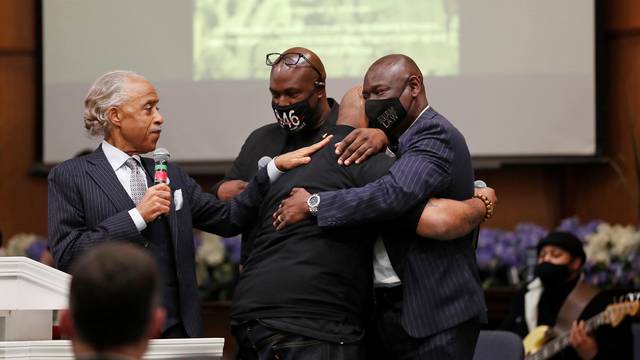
(231, 37)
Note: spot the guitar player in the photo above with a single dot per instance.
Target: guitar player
(559, 298)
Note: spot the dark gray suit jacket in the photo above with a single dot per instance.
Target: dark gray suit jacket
(88, 205)
(440, 278)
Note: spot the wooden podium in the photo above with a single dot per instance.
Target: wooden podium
(29, 294)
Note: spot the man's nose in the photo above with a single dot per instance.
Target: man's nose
(283, 101)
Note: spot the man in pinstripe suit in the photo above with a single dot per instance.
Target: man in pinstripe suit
(429, 301)
(108, 195)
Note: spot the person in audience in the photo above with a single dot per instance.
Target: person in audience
(114, 303)
(109, 194)
(559, 296)
(305, 290)
(430, 302)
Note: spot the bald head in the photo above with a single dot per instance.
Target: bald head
(394, 69)
(309, 62)
(352, 108)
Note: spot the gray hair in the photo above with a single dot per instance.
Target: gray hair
(107, 92)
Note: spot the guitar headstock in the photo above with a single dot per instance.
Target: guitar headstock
(628, 304)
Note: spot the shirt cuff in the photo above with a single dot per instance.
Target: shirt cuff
(273, 172)
(137, 219)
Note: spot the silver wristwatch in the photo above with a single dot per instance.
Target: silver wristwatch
(313, 201)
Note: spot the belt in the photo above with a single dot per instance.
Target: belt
(390, 294)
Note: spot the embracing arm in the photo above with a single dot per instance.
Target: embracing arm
(445, 219)
(423, 170)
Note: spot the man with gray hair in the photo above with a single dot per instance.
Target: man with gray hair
(109, 194)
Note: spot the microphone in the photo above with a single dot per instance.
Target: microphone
(479, 184)
(160, 157)
(263, 162)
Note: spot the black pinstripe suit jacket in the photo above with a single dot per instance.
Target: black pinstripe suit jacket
(440, 278)
(88, 205)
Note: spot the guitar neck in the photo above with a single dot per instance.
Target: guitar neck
(559, 343)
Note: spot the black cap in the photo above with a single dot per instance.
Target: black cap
(566, 241)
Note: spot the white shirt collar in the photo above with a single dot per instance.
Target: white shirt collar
(421, 112)
(115, 156)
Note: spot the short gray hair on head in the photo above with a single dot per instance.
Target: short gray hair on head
(107, 92)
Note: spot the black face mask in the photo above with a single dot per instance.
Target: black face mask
(295, 117)
(552, 275)
(386, 114)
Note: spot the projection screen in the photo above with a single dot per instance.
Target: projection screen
(516, 77)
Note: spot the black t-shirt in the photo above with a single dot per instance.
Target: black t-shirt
(270, 140)
(306, 271)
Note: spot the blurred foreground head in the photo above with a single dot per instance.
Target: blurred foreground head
(114, 301)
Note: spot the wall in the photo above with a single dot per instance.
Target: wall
(535, 193)
(23, 199)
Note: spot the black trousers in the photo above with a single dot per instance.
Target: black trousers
(258, 342)
(391, 341)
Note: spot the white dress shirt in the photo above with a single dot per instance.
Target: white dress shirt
(117, 159)
(383, 273)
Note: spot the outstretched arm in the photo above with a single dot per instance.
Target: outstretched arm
(228, 218)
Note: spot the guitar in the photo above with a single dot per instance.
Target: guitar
(541, 344)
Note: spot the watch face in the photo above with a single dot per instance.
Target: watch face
(314, 200)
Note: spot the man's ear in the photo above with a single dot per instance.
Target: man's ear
(320, 86)
(415, 83)
(66, 323)
(156, 323)
(113, 116)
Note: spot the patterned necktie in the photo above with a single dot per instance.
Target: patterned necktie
(137, 181)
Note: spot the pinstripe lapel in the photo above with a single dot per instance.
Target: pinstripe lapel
(101, 172)
(172, 217)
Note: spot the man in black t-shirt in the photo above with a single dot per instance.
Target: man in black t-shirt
(302, 111)
(306, 290)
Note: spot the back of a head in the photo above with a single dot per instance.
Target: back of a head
(114, 289)
(352, 108)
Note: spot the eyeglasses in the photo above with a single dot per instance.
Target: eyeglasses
(291, 59)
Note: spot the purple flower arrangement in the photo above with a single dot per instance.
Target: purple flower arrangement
(613, 258)
(217, 262)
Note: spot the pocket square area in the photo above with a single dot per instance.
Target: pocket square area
(177, 199)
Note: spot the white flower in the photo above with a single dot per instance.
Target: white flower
(211, 251)
(609, 241)
(19, 244)
(626, 240)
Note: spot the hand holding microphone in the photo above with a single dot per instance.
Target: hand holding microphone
(487, 195)
(157, 200)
